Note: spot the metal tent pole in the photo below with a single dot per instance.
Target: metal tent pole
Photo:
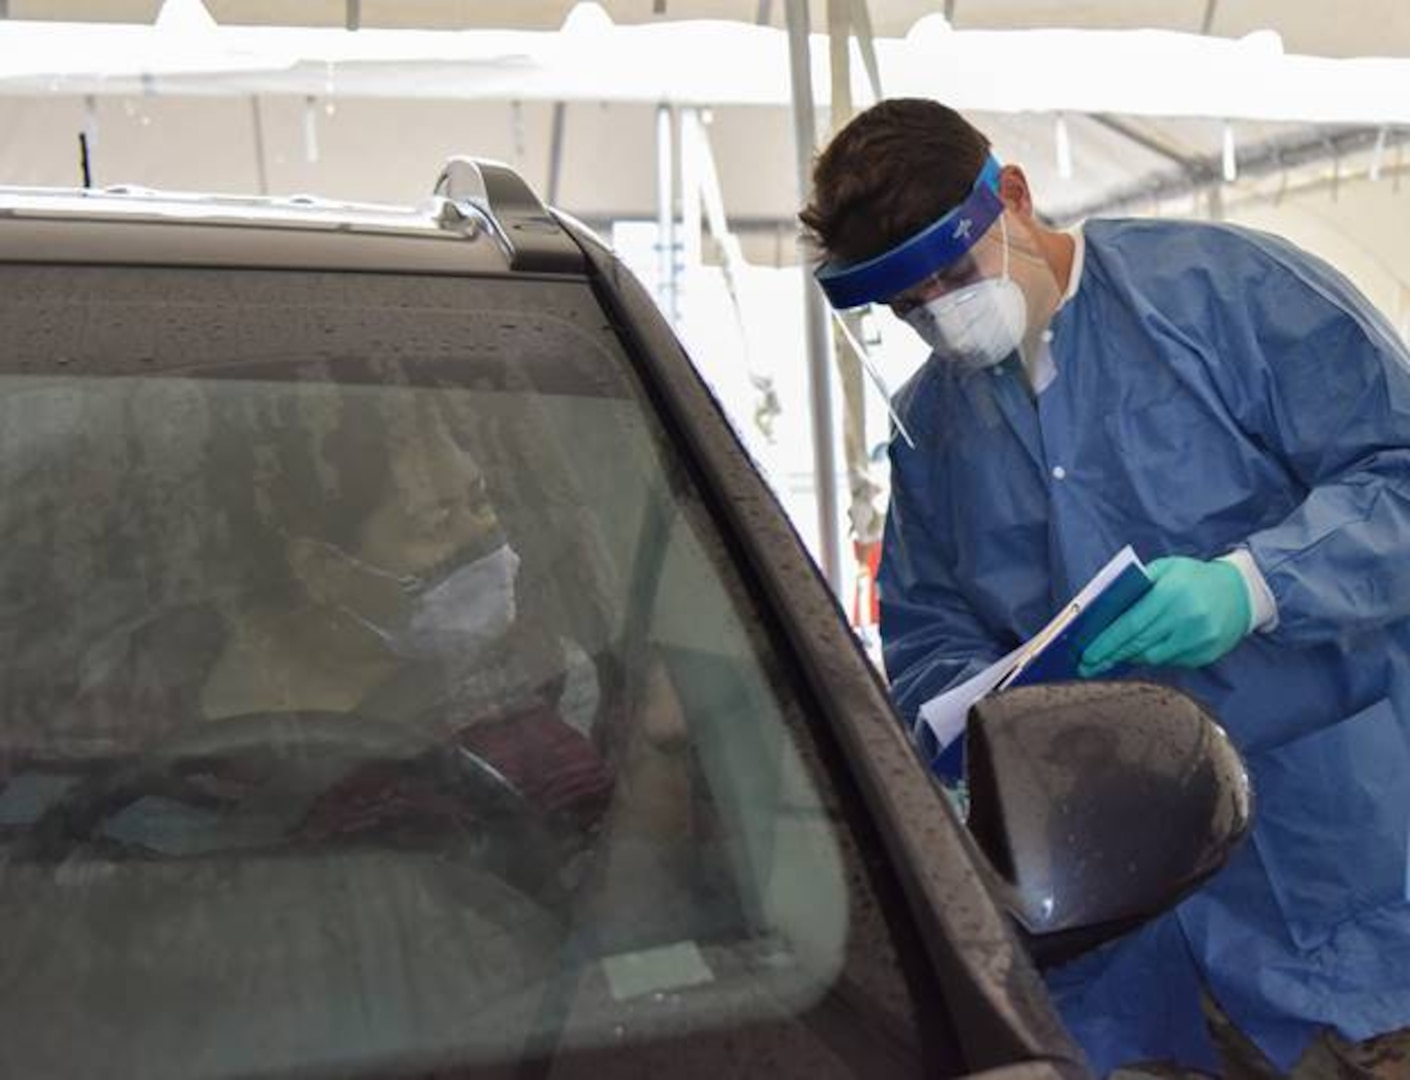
(692, 181)
(257, 131)
(815, 314)
(555, 150)
(667, 262)
(862, 512)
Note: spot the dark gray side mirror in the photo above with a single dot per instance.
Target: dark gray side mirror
(1100, 805)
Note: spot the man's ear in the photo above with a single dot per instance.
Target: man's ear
(1013, 190)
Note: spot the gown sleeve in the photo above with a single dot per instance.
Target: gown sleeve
(1324, 383)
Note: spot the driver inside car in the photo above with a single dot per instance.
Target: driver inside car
(409, 602)
(378, 582)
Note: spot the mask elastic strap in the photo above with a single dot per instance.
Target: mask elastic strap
(405, 582)
(366, 623)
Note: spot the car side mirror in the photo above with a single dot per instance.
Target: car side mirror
(1100, 805)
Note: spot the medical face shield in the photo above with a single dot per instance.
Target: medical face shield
(938, 245)
(974, 285)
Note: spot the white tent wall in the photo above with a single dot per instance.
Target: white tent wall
(388, 151)
(1363, 230)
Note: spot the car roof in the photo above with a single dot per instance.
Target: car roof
(483, 219)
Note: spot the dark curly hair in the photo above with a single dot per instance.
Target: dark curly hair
(889, 173)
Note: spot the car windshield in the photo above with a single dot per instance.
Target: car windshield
(380, 699)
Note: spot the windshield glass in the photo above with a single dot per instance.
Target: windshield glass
(379, 699)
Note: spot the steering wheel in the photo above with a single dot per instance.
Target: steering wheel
(299, 757)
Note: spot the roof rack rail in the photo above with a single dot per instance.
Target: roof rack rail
(533, 239)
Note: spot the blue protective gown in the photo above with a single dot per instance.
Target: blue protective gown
(1215, 388)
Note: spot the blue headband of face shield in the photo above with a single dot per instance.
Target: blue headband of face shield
(913, 260)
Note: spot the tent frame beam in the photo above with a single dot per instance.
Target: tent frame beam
(1259, 160)
(1187, 165)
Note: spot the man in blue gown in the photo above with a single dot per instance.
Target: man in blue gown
(1234, 409)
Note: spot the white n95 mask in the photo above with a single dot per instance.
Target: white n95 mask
(459, 614)
(468, 610)
(975, 327)
(978, 325)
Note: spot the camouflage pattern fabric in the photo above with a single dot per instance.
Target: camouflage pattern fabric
(1329, 1057)
(1386, 1057)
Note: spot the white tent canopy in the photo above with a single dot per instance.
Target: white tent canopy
(1134, 72)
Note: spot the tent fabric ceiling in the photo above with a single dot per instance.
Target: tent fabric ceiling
(1354, 28)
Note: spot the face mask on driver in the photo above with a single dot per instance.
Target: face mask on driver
(462, 613)
(978, 325)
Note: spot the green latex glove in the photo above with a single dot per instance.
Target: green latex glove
(1194, 614)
